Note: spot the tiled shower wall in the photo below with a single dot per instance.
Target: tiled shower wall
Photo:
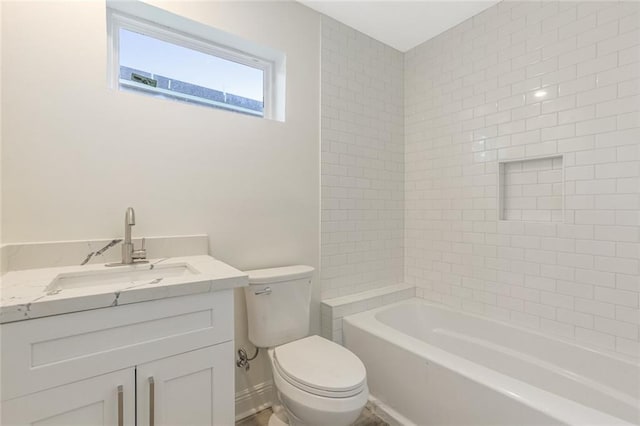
(527, 80)
(362, 162)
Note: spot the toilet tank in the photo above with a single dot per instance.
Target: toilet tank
(278, 303)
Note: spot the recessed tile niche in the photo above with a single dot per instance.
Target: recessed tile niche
(531, 190)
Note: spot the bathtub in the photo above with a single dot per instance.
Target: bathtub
(437, 366)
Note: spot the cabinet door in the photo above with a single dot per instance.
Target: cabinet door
(106, 400)
(195, 388)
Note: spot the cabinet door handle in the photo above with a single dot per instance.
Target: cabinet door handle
(120, 406)
(266, 290)
(152, 397)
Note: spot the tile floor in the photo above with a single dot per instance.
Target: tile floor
(367, 418)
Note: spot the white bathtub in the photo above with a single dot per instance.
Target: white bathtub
(437, 366)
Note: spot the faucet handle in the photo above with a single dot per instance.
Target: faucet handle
(141, 253)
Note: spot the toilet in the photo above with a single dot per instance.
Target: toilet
(318, 382)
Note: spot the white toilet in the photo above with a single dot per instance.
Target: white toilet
(318, 382)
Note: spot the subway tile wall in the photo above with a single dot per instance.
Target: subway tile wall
(362, 162)
(523, 80)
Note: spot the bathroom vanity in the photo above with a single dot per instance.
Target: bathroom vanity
(134, 345)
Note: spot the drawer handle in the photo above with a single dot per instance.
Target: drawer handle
(266, 290)
(120, 406)
(152, 397)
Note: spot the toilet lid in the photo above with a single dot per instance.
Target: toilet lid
(318, 364)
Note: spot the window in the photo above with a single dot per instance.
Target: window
(163, 55)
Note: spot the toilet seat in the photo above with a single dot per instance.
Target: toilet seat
(309, 409)
(320, 367)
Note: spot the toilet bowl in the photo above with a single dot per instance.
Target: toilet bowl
(318, 382)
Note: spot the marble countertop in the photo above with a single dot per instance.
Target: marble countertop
(28, 293)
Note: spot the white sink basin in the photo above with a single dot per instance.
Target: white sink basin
(135, 274)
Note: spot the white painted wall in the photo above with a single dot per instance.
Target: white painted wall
(1, 132)
(75, 154)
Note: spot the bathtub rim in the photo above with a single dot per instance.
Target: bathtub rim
(556, 406)
(627, 359)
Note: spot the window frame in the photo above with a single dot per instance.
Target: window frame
(117, 20)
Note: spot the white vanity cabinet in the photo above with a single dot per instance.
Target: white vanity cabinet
(189, 389)
(163, 362)
(93, 402)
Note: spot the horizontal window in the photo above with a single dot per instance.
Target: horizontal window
(163, 62)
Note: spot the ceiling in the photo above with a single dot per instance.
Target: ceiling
(400, 24)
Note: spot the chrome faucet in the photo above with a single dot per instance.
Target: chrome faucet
(129, 253)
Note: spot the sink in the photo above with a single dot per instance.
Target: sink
(135, 274)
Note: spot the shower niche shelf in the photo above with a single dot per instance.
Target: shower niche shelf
(531, 190)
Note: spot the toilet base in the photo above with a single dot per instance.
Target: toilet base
(279, 417)
(274, 420)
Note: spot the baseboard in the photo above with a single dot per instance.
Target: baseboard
(253, 399)
(387, 413)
